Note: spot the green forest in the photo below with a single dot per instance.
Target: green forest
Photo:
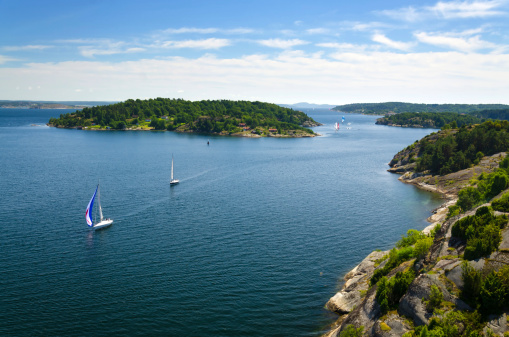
(217, 117)
(399, 107)
(452, 150)
(435, 120)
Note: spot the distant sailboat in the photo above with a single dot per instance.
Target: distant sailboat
(336, 126)
(88, 214)
(173, 181)
(343, 119)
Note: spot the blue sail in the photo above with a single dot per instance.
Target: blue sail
(88, 212)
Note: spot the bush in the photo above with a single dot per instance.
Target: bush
(435, 298)
(389, 292)
(411, 238)
(396, 257)
(482, 232)
(471, 281)
(351, 331)
(502, 203)
(468, 198)
(422, 247)
(492, 293)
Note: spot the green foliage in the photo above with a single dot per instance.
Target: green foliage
(435, 298)
(201, 116)
(451, 152)
(389, 292)
(411, 238)
(482, 232)
(493, 293)
(422, 246)
(501, 204)
(481, 110)
(471, 281)
(468, 198)
(449, 325)
(351, 331)
(396, 257)
(437, 120)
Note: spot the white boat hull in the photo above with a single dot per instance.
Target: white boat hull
(174, 182)
(102, 224)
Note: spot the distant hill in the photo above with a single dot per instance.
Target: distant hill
(304, 105)
(398, 107)
(51, 104)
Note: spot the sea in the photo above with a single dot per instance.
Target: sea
(253, 241)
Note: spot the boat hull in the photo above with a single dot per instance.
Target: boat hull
(174, 182)
(102, 224)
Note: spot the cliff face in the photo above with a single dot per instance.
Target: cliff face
(440, 268)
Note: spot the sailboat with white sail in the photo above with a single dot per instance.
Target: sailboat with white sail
(173, 181)
(88, 214)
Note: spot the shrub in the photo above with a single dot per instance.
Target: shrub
(468, 198)
(389, 292)
(435, 298)
(422, 247)
(502, 203)
(492, 293)
(351, 331)
(412, 236)
(471, 281)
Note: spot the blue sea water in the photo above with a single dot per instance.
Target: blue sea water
(253, 241)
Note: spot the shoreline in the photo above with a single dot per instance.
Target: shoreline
(239, 134)
(356, 280)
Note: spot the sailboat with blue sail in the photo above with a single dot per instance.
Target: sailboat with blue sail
(88, 214)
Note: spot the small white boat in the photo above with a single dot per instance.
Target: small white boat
(88, 214)
(173, 181)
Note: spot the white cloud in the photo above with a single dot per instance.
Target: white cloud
(188, 30)
(314, 31)
(409, 14)
(5, 59)
(380, 38)
(212, 43)
(108, 48)
(346, 77)
(344, 46)
(282, 44)
(448, 10)
(467, 9)
(28, 47)
(457, 42)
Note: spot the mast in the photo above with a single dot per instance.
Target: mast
(171, 167)
(99, 201)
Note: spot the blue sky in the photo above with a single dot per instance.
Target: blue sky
(278, 51)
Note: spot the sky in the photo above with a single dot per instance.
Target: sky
(278, 51)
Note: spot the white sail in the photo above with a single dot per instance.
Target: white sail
(99, 202)
(172, 180)
(103, 222)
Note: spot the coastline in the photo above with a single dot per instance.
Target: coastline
(362, 310)
(238, 134)
(356, 281)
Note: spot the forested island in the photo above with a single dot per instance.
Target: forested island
(435, 120)
(398, 107)
(451, 279)
(220, 117)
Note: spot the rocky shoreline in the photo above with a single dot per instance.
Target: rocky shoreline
(355, 303)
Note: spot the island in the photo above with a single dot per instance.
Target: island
(451, 279)
(216, 117)
(398, 107)
(434, 120)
